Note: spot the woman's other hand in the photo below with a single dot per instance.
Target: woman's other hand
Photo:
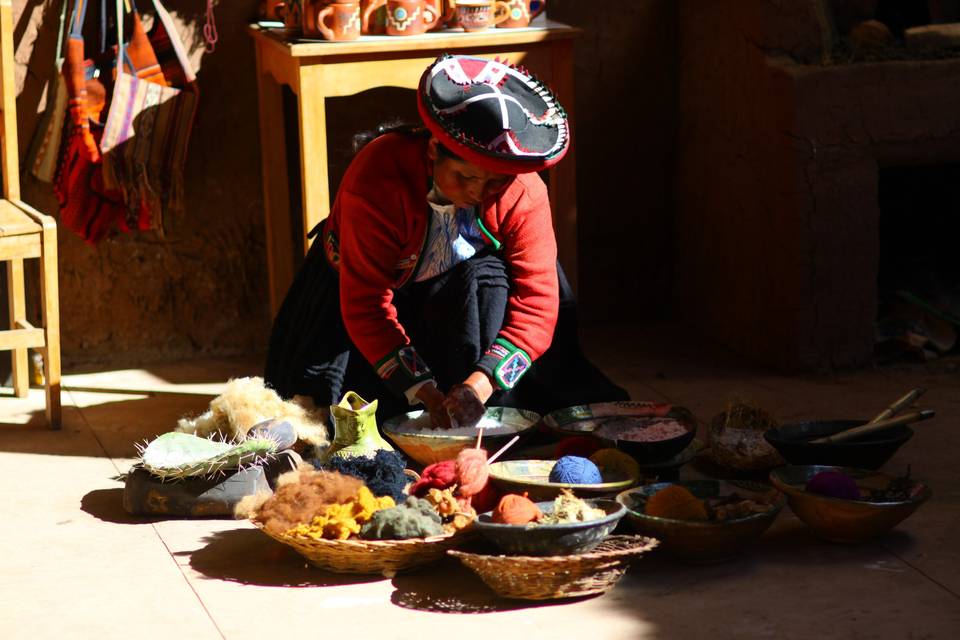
(433, 402)
(465, 402)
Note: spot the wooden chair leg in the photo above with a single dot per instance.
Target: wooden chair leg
(18, 313)
(50, 303)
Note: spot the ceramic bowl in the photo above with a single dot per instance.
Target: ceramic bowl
(533, 478)
(604, 420)
(839, 520)
(551, 539)
(700, 541)
(866, 452)
(413, 433)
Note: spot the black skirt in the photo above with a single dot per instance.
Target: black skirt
(452, 319)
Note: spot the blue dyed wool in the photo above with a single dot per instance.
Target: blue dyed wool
(575, 470)
(383, 474)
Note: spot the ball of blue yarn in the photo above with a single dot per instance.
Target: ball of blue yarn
(575, 470)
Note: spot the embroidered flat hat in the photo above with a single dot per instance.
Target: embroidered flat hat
(494, 115)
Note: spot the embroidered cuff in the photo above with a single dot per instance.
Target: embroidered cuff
(402, 369)
(505, 363)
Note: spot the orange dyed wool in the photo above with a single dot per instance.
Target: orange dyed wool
(676, 502)
(514, 509)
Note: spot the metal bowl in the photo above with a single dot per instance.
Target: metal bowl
(866, 452)
(700, 541)
(839, 520)
(413, 433)
(533, 478)
(552, 539)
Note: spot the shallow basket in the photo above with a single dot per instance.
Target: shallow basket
(552, 577)
(372, 556)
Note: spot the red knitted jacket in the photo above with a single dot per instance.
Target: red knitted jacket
(375, 235)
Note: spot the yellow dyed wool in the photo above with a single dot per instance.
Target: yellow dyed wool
(341, 520)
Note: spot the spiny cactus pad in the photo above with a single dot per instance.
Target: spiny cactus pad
(177, 455)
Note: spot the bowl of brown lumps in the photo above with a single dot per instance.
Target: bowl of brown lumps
(702, 521)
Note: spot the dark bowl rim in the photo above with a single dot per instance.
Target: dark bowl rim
(567, 526)
(772, 513)
(918, 500)
(773, 436)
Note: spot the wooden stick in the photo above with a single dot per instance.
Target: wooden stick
(926, 414)
(503, 449)
(898, 406)
(479, 435)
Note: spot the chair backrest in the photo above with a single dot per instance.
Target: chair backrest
(9, 152)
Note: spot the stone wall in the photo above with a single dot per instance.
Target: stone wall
(201, 288)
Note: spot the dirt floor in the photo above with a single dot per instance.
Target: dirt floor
(75, 565)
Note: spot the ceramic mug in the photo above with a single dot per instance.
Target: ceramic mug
(339, 20)
(293, 15)
(272, 10)
(477, 15)
(411, 17)
(521, 12)
(373, 17)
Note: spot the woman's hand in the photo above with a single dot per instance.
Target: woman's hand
(465, 402)
(433, 402)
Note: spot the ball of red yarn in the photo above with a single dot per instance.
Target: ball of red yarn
(582, 446)
(514, 509)
(439, 475)
(487, 499)
(472, 472)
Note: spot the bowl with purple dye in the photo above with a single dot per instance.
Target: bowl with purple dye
(848, 505)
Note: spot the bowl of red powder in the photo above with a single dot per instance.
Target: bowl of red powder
(647, 440)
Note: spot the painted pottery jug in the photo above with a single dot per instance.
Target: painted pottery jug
(521, 12)
(448, 8)
(338, 20)
(355, 429)
(477, 15)
(272, 10)
(293, 15)
(373, 17)
(411, 17)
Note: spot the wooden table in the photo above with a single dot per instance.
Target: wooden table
(317, 70)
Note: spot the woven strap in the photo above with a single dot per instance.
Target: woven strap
(172, 33)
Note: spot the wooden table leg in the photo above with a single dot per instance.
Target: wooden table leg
(276, 196)
(563, 178)
(313, 148)
(50, 294)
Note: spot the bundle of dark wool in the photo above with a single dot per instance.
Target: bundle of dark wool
(383, 474)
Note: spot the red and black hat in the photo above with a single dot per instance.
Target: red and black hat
(494, 115)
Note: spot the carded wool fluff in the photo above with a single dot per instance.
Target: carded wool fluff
(342, 520)
(301, 494)
(472, 472)
(415, 518)
(516, 509)
(382, 473)
(575, 470)
(439, 475)
(834, 484)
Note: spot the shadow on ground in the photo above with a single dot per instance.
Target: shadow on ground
(248, 556)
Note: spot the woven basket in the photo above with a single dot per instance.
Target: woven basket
(549, 577)
(371, 556)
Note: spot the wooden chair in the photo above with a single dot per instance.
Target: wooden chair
(25, 233)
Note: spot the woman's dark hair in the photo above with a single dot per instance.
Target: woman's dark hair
(415, 130)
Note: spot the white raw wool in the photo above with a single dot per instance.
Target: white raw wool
(246, 402)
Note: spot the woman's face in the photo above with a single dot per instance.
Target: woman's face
(464, 183)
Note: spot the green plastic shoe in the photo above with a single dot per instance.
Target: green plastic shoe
(355, 429)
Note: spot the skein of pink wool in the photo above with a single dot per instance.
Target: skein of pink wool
(472, 472)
